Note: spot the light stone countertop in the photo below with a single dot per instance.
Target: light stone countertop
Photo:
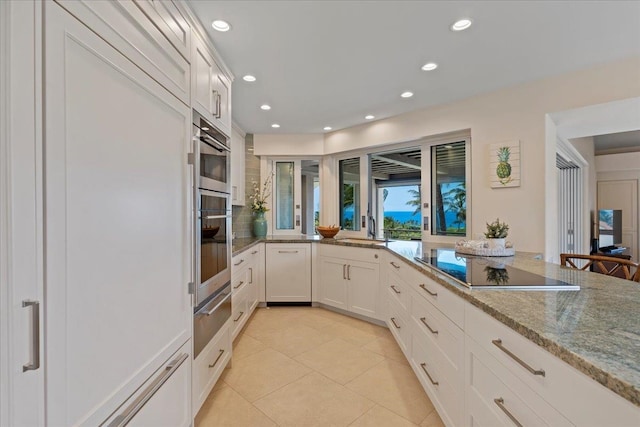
(596, 329)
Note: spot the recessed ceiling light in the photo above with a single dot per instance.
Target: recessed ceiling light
(249, 78)
(461, 24)
(429, 66)
(220, 25)
(406, 94)
(369, 117)
(265, 107)
(327, 128)
(275, 125)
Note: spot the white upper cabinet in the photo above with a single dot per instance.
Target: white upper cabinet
(237, 167)
(170, 21)
(211, 87)
(116, 225)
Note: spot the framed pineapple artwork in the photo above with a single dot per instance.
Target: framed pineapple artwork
(504, 164)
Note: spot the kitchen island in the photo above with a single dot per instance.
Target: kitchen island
(596, 330)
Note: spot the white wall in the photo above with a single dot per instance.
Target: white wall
(585, 146)
(516, 113)
(288, 144)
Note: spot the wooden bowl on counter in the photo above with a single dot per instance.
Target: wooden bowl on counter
(328, 232)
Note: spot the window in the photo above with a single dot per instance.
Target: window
(284, 202)
(448, 189)
(349, 171)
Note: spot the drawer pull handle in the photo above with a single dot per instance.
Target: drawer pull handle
(395, 290)
(135, 407)
(498, 343)
(251, 276)
(239, 284)
(239, 316)
(238, 263)
(344, 271)
(424, 368)
(393, 320)
(500, 402)
(287, 252)
(217, 358)
(424, 320)
(433, 294)
(254, 252)
(394, 265)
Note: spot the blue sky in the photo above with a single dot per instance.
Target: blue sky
(398, 197)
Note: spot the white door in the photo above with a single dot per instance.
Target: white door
(623, 195)
(333, 284)
(116, 224)
(21, 376)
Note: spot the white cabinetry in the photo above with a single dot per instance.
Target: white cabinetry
(246, 282)
(209, 364)
(537, 388)
(117, 259)
(349, 279)
(211, 88)
(288, 272)
(237, 167)
(170, 21)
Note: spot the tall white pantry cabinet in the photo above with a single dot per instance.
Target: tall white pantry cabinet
(96, 243)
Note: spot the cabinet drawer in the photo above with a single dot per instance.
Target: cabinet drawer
(496, 397)
(209, 365)
(433, 328)
(579, 398)
(444, 300)
(398, 289)
(240, 280)
(398, 325)
(350, 253)
(239, 311)
(445, 390)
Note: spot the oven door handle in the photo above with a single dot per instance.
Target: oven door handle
(210, 312)
(209, 140)
(216, 216)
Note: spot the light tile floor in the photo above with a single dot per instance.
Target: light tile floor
(303, 366)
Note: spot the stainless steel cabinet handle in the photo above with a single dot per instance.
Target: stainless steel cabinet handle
(500, 402)
(35, 335)
(215, 102)
(344, 271)
(424, 321)
(210, 312)
(219, 115)
(238, 263)
(395, 290)
(254, 252)
(287, 252)
(250, 274)
(238, 285)
(433, 294)
(498, 343)
(393, 320)
(348, 272)
(239, 316)
(217, 358)
(135, 407)
(424, 368)
(394, 264)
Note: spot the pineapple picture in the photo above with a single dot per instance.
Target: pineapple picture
(504, 164)
(503, 170)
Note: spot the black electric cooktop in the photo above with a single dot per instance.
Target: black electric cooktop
(489, 273)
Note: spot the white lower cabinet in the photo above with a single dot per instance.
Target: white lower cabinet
(239, 310)
(288, 272)
(209, 364)
(398, 325)
(333, 282)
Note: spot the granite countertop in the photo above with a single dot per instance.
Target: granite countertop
(596, 329)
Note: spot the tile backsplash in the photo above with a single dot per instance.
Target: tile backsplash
(242, 217)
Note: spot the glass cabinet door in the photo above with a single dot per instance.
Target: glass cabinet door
(284, 195)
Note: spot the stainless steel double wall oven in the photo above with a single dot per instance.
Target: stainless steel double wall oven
(212, 231)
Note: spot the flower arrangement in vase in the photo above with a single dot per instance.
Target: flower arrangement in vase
(259, 205)
(496, 234)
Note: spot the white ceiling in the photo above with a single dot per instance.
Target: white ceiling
(330, 63)
(622, 142)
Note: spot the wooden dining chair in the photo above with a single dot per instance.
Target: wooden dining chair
(611, 266)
